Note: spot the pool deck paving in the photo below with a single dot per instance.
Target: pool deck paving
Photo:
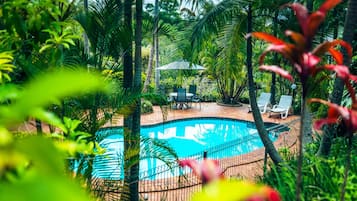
(285, 139)
(249, 166)
(206, 110)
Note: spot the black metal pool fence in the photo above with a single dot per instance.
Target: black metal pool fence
(177, 183)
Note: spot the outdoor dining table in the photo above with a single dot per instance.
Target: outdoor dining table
(173, 96)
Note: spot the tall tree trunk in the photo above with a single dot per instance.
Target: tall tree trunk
(135, 139)
(303, 123)
(275, 58)
(127, 84)
(336, 96)
(263, 134)
(156, 42)
(307, 129)
(85, 37)
(150, 67)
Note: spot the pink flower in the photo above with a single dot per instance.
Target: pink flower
(266, 194)
(305, 61)
(336, 114)
(310, 23)
(208, 170)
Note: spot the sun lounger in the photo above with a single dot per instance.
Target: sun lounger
(283, 107)
(263, 101)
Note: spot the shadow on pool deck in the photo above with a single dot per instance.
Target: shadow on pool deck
(207, 110)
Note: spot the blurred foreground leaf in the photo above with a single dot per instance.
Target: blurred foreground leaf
(44, 177)
(49, 89)
(235, 190)
(54, 188)
(43, 155)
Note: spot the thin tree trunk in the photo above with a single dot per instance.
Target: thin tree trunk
(268, 144)
(156, 42)
(85, 37)
(275, 58)
(150, 67)
(336, 96)
(307, 128)
(306, 137)
(303, 123)
(135, 145)
(127, 84)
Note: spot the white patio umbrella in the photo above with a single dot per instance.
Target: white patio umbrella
(181, 65)
(177, 65)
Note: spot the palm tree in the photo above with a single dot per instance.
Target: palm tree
(102, 24)
(212, 22)
(163, 29)
(253, 101)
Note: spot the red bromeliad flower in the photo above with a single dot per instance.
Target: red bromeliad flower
(310, 23)
(265, 194)
(304, 61)
(208, 170)
(336, 114)
(219, 188)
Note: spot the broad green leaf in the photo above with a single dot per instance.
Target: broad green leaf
(9, 92)
(48, 89)
(44, 156)
(71, 124)
(5, 137)
(45, 47)
(41, 187)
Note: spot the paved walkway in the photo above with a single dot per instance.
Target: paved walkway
(207, 110)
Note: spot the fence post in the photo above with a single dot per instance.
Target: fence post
(204, 182)
(265, 161)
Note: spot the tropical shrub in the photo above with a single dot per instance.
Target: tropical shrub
(307, 64)
(322, 176)
(146, 107)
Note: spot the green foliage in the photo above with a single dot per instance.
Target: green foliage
(46, 90)
(37, 173)
(35, 165)
(6, 66)
(322, 177)
(74, 142)
(58, 39)
(146, 107)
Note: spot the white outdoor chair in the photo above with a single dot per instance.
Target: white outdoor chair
(263, 101)
(283, 107)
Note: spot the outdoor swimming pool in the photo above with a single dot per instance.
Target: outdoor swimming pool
(187, 137)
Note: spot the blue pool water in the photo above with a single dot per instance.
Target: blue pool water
(186, 137)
